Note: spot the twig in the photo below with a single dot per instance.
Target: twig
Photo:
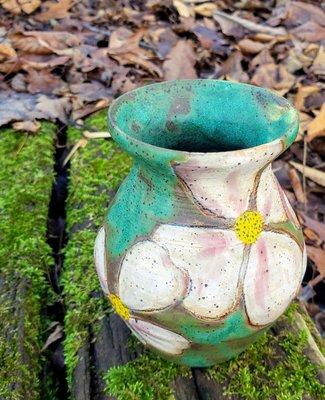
(251, 26)
(83, 141)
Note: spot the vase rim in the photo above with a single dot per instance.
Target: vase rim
(284, 140)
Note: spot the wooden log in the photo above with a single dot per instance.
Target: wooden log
(281, 364)
(26, 177)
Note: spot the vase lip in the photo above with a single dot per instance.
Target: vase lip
(128, 142)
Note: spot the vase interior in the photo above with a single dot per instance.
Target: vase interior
(204, 116)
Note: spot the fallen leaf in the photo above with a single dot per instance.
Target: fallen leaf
(54, 108)
(205, 9)
(302, 93)
(264, 57)
(248, 46)
(232, 68)
(91, 91)
(6, 51)
(318, 66)
(296, 186)
(211, 40)
(184, 10)
(317, 126)
(310, 31)
(124, 47)
(273, 76)
(43, 81)
(28, 126)
(15, 106)
(305, 119)
(298, 13)
(37, 42)
(313, 224)
(317, 255)
(179, 63)
(228, 26)
(55, 10)
(17, 6)
(312, 236)
(54, 336)
(311, 173)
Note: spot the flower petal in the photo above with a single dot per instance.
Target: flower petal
(158, 337)
(100, 259)
(149, 280)
(273, 276)
(212, 258)
(222, 182)
(268, 198)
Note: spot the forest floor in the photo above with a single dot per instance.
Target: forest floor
(66, 60)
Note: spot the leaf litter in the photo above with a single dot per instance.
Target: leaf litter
(64, 59)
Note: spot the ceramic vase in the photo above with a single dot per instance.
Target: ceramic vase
(201, 251)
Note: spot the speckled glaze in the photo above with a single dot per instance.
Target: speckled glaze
(201, 251)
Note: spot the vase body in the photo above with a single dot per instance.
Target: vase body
(200, 251)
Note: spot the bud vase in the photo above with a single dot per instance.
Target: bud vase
(200, 251)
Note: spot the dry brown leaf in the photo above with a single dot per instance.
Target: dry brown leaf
(318, 66)
(37, 42)
(6, 51)
(184, 10)
(273, 76)
(264, 57)
(232, 68)
(28, 126)
(17, 6)
(43, 81)
(314, 174)
(179, 63)
(205, 9)
(15, 106)
(305, 120)
(302, 93)
(54, 336)
(298, 13)
(310, 31)
(312, 235)
(296, 186)
(317, 126)
(55, 10)
(124, 48)
(249, 46)
(317, 255)
(313, 224)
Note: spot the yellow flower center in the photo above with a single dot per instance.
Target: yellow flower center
(120, 308)
(249, 226)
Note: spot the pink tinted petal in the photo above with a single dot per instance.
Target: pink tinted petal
(273, 276)
(214, 271)
(158, 337)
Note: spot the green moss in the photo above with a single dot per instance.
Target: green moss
(146, 378)
(26, 177)
(272, 368)
(95, 173)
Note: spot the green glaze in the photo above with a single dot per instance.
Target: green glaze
(216, 116)
(145, 198)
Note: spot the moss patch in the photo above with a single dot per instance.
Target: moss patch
(146, 378)
(26, 177)
(272, 368)
(95, 173)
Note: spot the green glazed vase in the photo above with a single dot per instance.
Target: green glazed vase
(201, 251)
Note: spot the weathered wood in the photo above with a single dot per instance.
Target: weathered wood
(26, 177)
(106, 337)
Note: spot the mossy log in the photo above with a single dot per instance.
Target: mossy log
(105, 362)
(26, 177)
